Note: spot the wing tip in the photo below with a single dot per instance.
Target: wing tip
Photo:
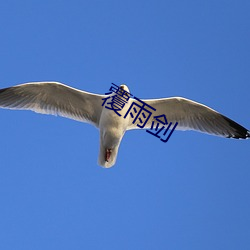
(3, 90)
(239, 131)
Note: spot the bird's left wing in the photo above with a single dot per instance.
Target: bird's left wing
(192, 115)
(53, 98)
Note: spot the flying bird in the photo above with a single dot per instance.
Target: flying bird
(55, 98)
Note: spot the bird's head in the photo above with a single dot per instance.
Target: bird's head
(124, 87)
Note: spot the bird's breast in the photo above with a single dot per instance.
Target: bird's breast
(111, 124)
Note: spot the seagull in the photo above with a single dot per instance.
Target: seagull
(55, 98)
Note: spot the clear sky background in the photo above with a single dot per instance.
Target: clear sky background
(190, 193)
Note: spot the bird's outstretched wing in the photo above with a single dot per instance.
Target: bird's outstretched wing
(192, 115)
(53, 98)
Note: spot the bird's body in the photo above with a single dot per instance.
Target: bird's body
(112, 129)
(58, 99)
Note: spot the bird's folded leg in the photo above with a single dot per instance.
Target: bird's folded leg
(108, 154)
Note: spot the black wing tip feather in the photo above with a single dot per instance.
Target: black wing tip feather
(3, 90)
(239, 131)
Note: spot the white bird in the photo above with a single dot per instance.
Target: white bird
(58, 99)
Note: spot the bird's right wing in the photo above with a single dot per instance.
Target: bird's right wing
(53, 98)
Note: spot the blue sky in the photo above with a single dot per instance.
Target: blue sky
(190, 193)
